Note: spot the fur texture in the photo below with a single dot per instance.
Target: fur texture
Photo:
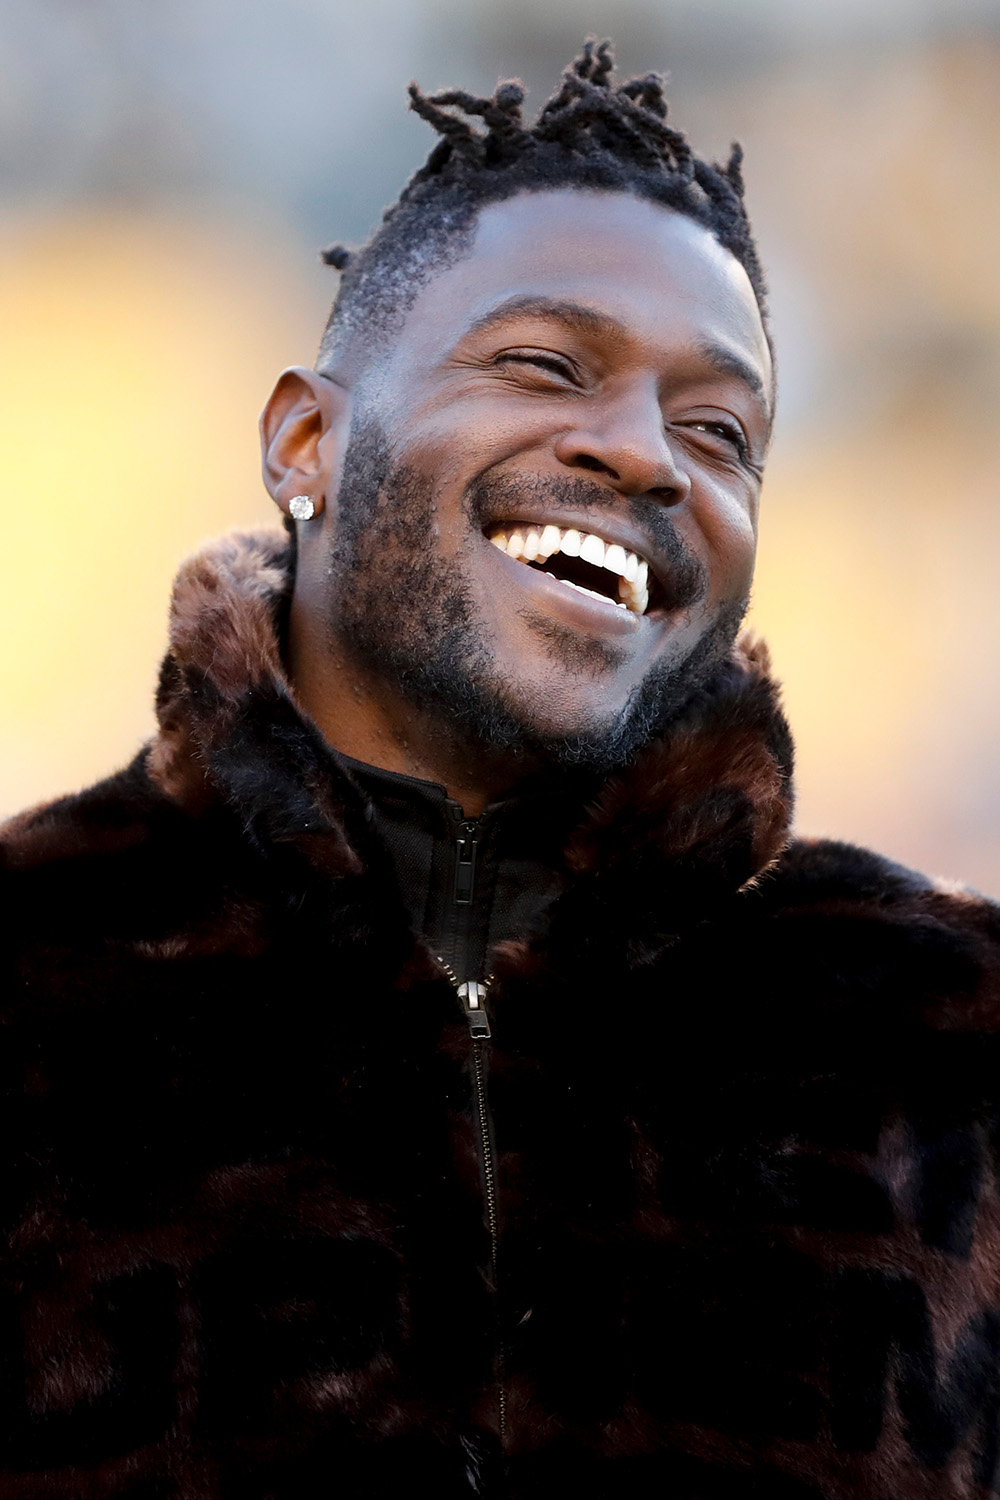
(745, 1096)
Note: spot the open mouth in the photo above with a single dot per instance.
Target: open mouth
(581, 560)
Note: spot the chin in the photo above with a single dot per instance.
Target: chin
(601, 730)
(599, 741)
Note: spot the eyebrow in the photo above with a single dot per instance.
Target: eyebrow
(727, 362)
(574, 315)
(582, 319)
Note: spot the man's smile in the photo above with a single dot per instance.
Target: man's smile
(539, 592)
(603, 563)
(587, 561)
(618, 568)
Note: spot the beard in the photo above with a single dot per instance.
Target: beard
(406, 613)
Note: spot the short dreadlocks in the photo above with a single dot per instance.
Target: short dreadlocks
(590, 135)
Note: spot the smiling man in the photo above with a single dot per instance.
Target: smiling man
(588, 389)
(433, 1064)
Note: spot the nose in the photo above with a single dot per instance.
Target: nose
(625, 442)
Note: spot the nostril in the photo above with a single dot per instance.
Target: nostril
(588, 461)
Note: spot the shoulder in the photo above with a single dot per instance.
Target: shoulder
(116, 814)
(100, 862)
(863, 921)
(820, 872)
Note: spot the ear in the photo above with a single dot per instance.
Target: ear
(302, 430)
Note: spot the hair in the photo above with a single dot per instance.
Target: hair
(591, 135)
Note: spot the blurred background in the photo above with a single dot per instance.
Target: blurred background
(167, 172)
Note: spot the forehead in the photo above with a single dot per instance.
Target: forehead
(654, 271)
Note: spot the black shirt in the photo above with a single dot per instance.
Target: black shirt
(470, 883)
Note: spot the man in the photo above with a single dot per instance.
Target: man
(432, 1064)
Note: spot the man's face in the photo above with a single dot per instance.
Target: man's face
(545, 525)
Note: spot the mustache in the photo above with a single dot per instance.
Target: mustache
(490, 498)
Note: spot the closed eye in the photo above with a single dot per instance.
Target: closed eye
(550, 362)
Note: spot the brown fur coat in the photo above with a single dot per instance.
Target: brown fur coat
(744, 1098)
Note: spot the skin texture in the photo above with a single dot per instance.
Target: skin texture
(597, 361)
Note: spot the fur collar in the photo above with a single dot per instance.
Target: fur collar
(699, 815)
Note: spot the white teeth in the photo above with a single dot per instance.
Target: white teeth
(550, 541)
(592, 550)
(614, 559)
(590, 593)
(539, 543)
(633, 597)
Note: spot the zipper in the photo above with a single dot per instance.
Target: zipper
(472, 994)
(466, 839)
(457, 931)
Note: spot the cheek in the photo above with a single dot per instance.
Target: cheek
(727, 522)
(452, 451)
(470, 435)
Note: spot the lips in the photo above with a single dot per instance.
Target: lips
(632, 530)
(582, 560)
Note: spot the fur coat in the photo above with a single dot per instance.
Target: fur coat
(743, 1119)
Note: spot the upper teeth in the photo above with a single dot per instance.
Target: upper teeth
(539, 543)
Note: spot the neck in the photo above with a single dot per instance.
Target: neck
(362, 716)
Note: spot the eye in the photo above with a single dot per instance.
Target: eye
(539, 359)
(718, 427)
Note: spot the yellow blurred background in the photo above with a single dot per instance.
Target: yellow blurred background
(167, 176)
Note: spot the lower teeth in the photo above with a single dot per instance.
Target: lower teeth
(590, 593)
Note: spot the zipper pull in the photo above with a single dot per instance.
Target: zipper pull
(473, 997)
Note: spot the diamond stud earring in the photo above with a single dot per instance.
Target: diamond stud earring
(302, 507)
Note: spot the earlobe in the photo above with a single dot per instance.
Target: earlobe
(300, 438)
